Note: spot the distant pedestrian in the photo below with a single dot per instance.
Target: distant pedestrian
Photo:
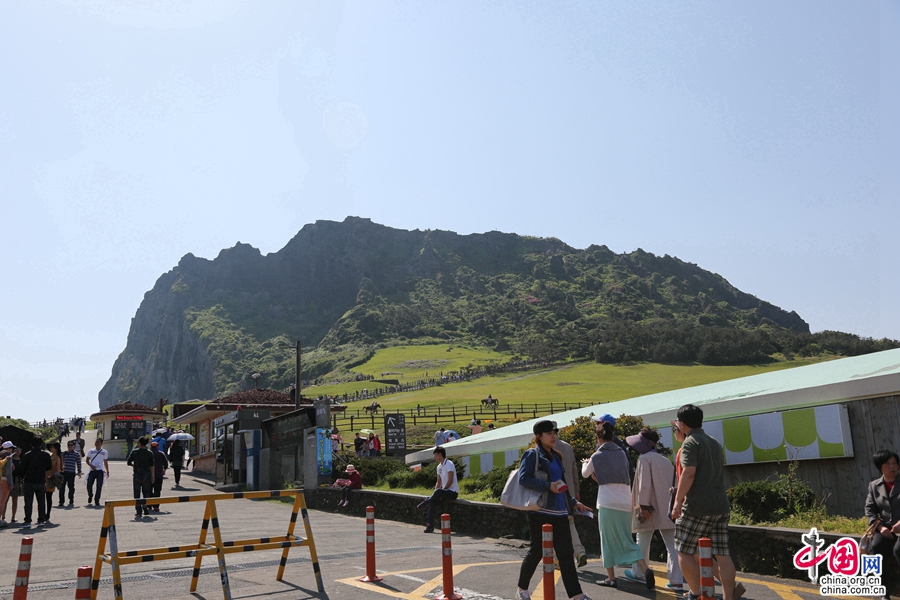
(357, 445)
(34, 465)
(176, 459)
(79, 443)
(129, 441)
(141, 460)
(98, 470)
(160, 464)
(71, 468)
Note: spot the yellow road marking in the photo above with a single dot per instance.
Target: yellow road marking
(785, 591)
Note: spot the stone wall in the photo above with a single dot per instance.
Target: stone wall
(754, 549)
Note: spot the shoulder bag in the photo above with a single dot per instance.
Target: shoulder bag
(522, 498)
(866, 541)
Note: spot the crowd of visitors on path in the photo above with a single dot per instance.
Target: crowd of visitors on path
(43, 474)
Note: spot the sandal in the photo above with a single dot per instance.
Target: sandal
(610, 583)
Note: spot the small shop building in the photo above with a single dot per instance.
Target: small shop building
(114, 423)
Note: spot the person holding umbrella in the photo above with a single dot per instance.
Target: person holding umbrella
(176, 458)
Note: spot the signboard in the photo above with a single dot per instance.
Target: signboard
(323, 451)
(129, 418)
(287, 430)
(395, 434)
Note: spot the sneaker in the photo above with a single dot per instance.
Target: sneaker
(691, 596)
(26, 526)
(675, 587)
(340, 502)
(90, 499)
(61, 504)
(582, 560)
(97, 503)
(138, 516)
(42, 523)
(423, 505)
(629, 574)
(650, 577)
(429, 528)
(584, 597)
(346, 503)
(71, 504)
(522, 595)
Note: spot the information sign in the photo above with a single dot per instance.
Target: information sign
(395, 434)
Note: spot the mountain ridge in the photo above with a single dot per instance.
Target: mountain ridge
(342, 287)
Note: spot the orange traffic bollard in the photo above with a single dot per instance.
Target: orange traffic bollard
(21, 590)
(547, 547)
(447, 551)
(370, 547)
(83, 589)
(707, 582)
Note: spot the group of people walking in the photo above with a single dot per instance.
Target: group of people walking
(682, 507)
(38, 475)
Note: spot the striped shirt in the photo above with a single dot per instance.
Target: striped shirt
(71, 461)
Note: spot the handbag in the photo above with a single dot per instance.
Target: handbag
(57, 480)
(522, 498)
(340, 483)
(866, 541)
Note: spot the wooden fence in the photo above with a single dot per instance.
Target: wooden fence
(353, 418)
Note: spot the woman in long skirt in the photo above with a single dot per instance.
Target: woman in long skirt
(609, 467)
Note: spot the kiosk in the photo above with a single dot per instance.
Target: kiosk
(231, 449)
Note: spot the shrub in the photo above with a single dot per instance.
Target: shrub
(769, 501)
(372, 470)
(492, 481)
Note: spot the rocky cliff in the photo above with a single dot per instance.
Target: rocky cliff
(207, 325)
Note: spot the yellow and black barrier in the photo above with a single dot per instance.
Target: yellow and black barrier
(218, 547)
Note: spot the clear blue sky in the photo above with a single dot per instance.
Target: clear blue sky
(759, 140)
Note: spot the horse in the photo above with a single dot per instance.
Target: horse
(372, 408)
(490, 401)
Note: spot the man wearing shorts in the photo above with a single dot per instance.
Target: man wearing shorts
(701, 507)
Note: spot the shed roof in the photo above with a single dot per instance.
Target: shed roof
(868, 376)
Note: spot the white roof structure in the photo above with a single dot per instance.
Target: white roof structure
(869, 376)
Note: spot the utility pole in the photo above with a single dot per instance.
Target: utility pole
(297, 380)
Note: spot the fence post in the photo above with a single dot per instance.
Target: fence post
(547, 550)
(447, 561)
(707, 582)
(21, 590)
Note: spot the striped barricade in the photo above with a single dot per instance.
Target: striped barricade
(216, 547)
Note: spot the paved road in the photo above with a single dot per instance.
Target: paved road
(408, 560)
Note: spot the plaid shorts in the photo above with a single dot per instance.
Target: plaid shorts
(689, 529)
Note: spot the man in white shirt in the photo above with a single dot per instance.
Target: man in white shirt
(98, 466)
(445, 488)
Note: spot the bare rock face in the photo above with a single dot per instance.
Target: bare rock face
(208, 325)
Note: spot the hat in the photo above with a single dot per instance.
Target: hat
(350, 468)
(8, 445)
(640, 443)
(605, 417)
(156, 444)
(543, 427)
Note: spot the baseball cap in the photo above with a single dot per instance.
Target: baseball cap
(8, 444)
(605, 417)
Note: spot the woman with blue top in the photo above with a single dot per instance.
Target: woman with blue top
(609, 467)
(555, 512)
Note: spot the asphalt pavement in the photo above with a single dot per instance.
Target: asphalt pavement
(408, 560)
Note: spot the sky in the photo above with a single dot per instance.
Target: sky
(758, 140)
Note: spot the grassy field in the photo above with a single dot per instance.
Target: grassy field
(588, 382)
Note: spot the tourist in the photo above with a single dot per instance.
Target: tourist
(54, 475)
(445, 488)
(548, 460)
(355, 483)
(882, 504)
(141, 460)
(176, 459)
(71, 468)
(98, 470)
(609, 467)
(160, 464)
(701, 507)
(34, 466)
